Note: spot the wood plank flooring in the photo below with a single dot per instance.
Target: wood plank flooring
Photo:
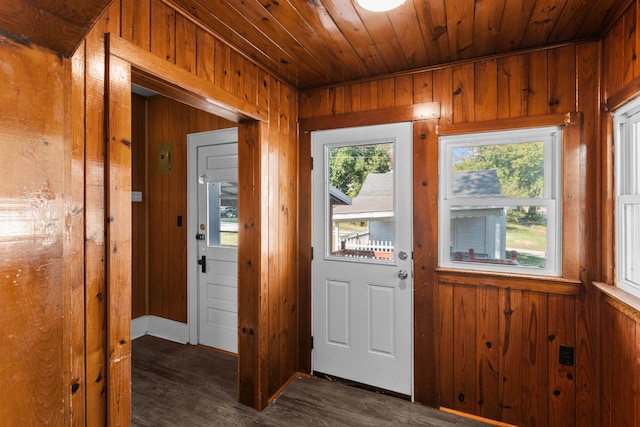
(184, 385)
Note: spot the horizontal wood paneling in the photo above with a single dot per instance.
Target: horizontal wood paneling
(481, 345)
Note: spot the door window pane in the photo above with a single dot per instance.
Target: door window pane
(361, 201)
(222, 213)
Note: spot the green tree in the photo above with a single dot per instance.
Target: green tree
(349, 166)
(520, 167)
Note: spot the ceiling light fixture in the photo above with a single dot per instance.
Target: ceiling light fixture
(379, 5)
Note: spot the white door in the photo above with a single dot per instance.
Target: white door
(216, 237)
(362, 267)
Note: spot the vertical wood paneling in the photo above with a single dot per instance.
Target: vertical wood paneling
(205, 51)
(222, 65)
(443, 93)
(136, 22)
(514, 379)
(486, 90)
(427, 328)
(163, 31)
(423, 87)
(95, 216)
(511, 88)
(535, 405)
(386, 90)
(304, 254)
(34, 245)
(118, 241)
(75, 271)
(561, 332)
(447, 340)
(138, 209)
(403, 86)
(463, 93)
(488, 353)
(606, 355)
(511, 345)
(464, 348)
(537, 99)
(562, 79)
(623, 363)
(186, 40)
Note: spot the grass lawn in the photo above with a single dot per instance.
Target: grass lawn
(523, 237)
(530, 236)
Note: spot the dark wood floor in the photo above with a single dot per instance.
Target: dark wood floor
(184, 385)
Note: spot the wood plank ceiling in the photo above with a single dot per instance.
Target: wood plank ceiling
(310, 43)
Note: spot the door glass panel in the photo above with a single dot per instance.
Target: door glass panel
(361, 201)
(222, 198)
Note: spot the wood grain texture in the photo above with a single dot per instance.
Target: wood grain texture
(514, 380)
(182, 384)
(118, 237)
(34, 245)
(74, 274)
(169, 121)
(95, 215)
(139, 210)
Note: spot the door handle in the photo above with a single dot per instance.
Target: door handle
(402, 274)
(203, 263)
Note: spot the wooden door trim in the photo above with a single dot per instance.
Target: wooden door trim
(170, 80)
(121, 61)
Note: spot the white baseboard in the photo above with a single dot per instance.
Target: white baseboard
(139, 327)
(161, 328)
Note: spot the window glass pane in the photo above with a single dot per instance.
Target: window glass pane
(499, 170)
(631, 233)
(631, 159)
(361, 201)
(499, 235)
(223, 213)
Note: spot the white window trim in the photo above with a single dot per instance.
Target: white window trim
(551, 199)
(624, 154)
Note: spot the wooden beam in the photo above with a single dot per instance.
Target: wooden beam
(175, 82)
(548, 285)
(560, 119)
(118, 241)
(407, 113)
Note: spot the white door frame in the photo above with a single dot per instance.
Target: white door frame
(221, 136)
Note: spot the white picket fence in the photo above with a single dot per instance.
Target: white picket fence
(357, 248)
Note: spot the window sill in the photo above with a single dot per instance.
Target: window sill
(546, 284)
(621, 300)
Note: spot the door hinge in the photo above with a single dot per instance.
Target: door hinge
(312, 342)
(311, 163)
(311, 253)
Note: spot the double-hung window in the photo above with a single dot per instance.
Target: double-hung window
(499, 207)
(627, 183)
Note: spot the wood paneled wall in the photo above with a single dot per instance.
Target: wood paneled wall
(486, 346)
(619, 341)
(169, 122)
(155, 27)
(40, 256)
(139, 210)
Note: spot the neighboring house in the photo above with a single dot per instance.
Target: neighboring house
(481, 229)
(374, 205)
